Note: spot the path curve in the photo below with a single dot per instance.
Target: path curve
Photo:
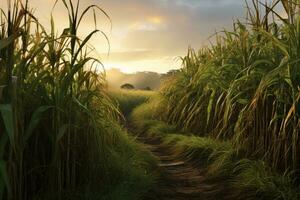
(180, 179)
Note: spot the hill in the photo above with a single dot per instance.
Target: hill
(140, 80)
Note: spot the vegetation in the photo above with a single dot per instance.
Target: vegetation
(127, 86)
(147, 88)
(245, 87)
(127, 100)
(248, 178)
(240, 97)
(60, 137)
(232, 110)
(141, 80)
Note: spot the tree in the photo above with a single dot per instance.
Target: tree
(127, 86)
(147, 88)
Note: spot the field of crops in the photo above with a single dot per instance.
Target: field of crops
(240, 99)
(245, 87)
(231, 114)
(60, 136)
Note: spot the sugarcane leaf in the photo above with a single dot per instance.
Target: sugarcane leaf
(7, 116)
(35, 119)
(3, 143)
(3, 171)
(7, 41)
(62, 131)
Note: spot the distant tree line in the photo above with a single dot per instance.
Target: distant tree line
(139, 80)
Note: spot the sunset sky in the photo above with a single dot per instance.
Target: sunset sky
(149, 35)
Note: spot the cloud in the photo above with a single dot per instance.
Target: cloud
(146, 31)
(184, 24)
(129, 56)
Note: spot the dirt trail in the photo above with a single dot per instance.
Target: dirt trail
(180, 180)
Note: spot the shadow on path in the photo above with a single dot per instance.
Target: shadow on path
(181, 180)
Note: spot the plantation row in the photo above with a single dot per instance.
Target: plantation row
(233, 109)
(245, 87)
(59, 132)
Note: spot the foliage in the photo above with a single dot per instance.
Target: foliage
(127, 86)
(58, 132)
(140, 80)
(245, 86)
(147, 88)
(249, 179)
(127, 100)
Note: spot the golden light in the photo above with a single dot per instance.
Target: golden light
(155, 19)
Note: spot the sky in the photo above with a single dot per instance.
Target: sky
(148, 35)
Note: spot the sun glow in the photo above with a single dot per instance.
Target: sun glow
(155, 20)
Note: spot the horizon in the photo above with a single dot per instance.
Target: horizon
(115, 69)
(165, 114)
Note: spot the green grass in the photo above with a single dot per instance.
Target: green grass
(60, 135)
(245, 86)
(248, 178)
(60, 127)
(130, 171)
(138, 167)
(127, 100)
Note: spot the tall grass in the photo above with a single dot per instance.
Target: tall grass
(127, 100)
(55, 113)
(218, 160)
(245, 86)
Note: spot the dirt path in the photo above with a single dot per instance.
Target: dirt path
(180, 180)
